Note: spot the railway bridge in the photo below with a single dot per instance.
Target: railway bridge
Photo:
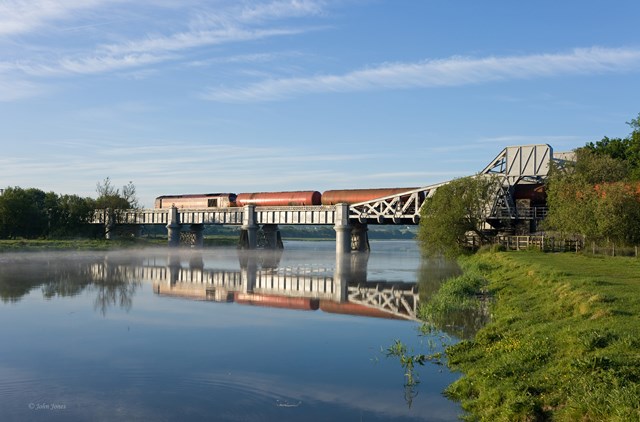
(261, 280)
(516, 167)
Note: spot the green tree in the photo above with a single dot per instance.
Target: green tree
(72, 215)
(455, 210)
(617, 213)
(593, 168)
(596, 195)
(626, 150)
(572, 206)
(111, 197)
(23, 213)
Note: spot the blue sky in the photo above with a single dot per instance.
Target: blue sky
(195, 96)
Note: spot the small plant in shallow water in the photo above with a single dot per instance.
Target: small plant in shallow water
(409, 360)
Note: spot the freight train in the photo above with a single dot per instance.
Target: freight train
(275, 199)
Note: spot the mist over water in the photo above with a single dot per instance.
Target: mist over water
(215, 334)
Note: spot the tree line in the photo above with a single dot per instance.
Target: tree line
(32, 213)
(597, 196)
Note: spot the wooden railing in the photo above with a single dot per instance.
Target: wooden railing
(544, 243)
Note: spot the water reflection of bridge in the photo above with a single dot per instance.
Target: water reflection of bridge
(261, 281)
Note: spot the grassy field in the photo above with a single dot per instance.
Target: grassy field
(101, 244)
(563, 343)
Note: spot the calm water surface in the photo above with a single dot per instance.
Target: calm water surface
(216, 335)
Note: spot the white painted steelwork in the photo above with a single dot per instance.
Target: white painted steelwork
(392, 299)
(522, 164)
(398, 300)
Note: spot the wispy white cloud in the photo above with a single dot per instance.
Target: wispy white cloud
(22, 16)
(13, 90)
(257, 13)
(222, 26)
(453, 71)
(207, 26)
(90, 65)
(281, 9)
(244, 58)
(188, 40)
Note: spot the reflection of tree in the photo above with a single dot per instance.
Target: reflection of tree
(115, 284)
(462, 324)
(18, 280)
(68, 278)
(431, 274)
(57, 277)
(61, 276)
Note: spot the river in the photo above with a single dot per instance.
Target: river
(218, 335)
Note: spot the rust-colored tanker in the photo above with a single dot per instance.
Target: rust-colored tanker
(353, 196)
(275, 301)
(276, 199)
(279, 199)
(349, 308)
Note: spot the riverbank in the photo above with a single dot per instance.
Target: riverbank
(563, 342)
(21, 245)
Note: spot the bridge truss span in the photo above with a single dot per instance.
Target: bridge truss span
(402, 208)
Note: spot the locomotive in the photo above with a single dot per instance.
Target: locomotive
(275, 199)
(197, 201)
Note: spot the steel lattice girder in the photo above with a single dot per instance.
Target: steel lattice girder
(516, 164)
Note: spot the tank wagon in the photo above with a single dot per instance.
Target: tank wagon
(275, 199)
(354, 196)
(279, 199)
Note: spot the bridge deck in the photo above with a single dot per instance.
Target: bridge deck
(322, 214)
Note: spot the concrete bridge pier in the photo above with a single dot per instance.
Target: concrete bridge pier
(248, 271)
(341, 278)
(359, 264)
(249, 229)
(343, 229)
(360, 238)
(174, 266)
(173, 228)
(350, 269)
(198, 235)
(272, 236)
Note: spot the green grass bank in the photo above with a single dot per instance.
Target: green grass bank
(563, 343)
(25, 245)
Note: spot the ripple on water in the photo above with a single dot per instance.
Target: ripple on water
(257, 389)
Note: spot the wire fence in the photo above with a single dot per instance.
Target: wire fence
(565, 244)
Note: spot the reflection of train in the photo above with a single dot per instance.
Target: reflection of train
(271, 199)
